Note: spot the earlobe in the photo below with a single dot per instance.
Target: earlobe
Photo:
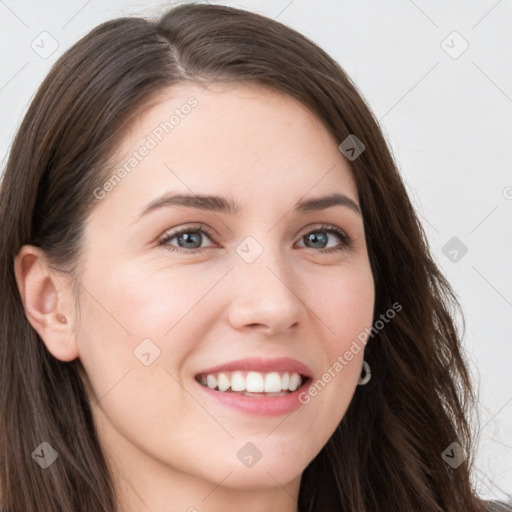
(46, 303)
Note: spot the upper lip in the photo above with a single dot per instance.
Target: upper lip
(258, 364)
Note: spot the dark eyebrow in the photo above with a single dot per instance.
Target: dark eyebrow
(321, 203)
(221, 204)
(201, 202)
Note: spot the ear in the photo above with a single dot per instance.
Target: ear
(48, 301)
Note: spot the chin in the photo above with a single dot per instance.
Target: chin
(257, 479)
(266, 473)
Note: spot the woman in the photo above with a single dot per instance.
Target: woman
(217, 293)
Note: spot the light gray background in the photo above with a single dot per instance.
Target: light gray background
(446, 114)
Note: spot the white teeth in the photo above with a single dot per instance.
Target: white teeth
(237, 382)
(294, 382)
(272, 383)
(285, 380)
(211, 381)
(252, 382)
(223, 382)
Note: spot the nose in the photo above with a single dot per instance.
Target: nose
(265, 296)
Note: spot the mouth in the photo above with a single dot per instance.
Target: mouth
(257, 386)
(252, 383)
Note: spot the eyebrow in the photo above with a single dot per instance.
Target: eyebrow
(221, 204)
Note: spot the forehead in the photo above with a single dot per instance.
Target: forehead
(245, 141)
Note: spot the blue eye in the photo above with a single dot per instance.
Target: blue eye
(320, 237)
(189, 239)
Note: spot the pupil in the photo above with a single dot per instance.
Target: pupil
(315, 238)
(189, 238)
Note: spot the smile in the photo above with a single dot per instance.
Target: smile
(253, 383)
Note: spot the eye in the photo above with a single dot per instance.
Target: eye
(189, 239)
(319, 238)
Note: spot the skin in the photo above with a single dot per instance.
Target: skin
(171, 447)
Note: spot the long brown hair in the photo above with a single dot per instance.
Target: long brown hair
(386, 454)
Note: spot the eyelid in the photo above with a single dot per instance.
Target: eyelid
(321, 226)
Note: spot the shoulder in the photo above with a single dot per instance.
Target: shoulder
(498, 506)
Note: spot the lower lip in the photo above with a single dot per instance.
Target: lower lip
(264, 405)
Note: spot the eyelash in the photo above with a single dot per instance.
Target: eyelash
(346, 241)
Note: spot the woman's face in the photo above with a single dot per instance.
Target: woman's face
(157, 309)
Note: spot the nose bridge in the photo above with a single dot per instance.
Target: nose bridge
(262, 260)
(265, 286)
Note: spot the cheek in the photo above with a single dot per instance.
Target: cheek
(132, 316)
(345, 310)
(124, 317)
(345, 305)
(141, 302)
